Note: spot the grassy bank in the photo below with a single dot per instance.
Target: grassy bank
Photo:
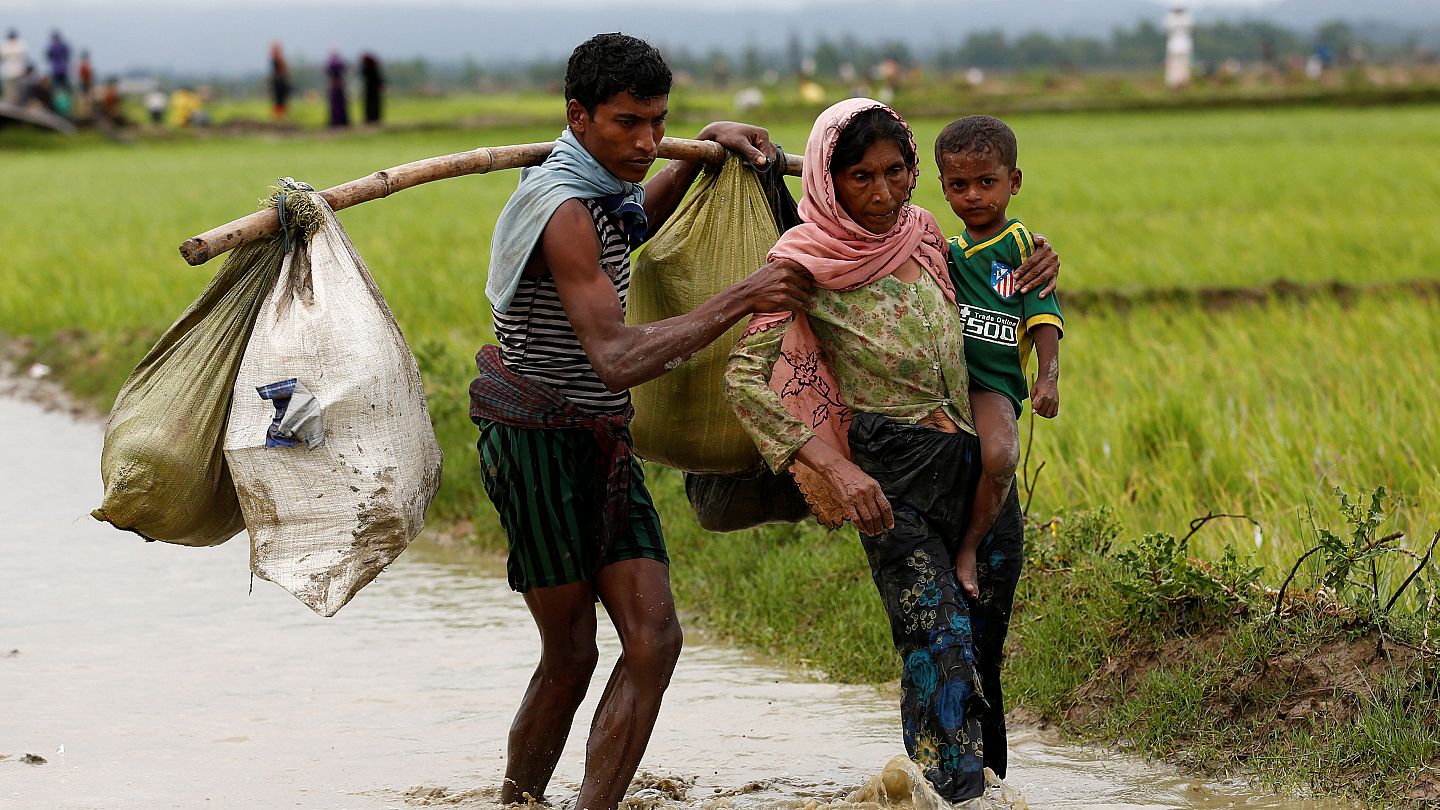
(1170, 409)
(1231, 669)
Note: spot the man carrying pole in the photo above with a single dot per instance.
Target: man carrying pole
(553, 409)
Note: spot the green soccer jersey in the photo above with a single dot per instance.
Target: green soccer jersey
(998, 318)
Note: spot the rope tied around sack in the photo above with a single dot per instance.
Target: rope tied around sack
(298, 213)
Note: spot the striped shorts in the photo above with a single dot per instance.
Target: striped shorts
(547, 488)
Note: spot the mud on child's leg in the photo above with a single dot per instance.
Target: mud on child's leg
(999, 435)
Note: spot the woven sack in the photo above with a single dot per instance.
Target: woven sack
(163, 464)
(328, 514)
(718, 236)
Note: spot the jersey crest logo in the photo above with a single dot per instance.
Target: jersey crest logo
(1002, 279)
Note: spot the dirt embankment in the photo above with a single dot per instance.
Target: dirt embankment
(1217, 299)
(34, 382)
(1290, 687)
(1304, 690)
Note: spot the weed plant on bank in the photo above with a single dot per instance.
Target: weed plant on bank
(1325, 677)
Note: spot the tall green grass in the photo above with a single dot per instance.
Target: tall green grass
(311, 109)
(1131, 201)
(1167, 413)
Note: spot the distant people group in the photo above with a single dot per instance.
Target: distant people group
(24, 85)
(83, 99)
(372, 84)
(21, 83)
(70, 88)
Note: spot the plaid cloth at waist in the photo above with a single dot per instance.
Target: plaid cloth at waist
(501, 395)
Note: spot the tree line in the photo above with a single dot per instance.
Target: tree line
(1141, 46)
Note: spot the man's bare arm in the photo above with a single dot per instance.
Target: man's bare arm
(625, 356)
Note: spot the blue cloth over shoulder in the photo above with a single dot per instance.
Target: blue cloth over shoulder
(568, 173)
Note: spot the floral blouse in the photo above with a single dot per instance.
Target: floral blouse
(896, 348)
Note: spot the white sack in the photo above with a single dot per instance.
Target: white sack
(325, 521)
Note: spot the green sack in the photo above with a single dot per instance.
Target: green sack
(719, 236)
(164, 461)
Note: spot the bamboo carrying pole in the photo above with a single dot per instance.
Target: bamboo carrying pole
(200, 249)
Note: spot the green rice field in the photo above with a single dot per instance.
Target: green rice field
(1171, 407)
(1166, 412)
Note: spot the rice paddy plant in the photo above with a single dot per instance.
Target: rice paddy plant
(310, 109)
(90, 227)
(1224, 198)
(91, 232)
(1167, 414)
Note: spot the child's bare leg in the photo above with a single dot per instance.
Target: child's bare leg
(999, 453)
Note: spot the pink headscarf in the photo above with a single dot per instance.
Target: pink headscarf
(837, 251)
(841, 255)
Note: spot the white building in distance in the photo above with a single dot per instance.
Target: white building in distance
(1179, 46)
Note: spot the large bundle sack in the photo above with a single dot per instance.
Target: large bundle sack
(329, 441)
(163, 464)
(718, 236)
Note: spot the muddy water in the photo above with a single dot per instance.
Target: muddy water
(149, 676)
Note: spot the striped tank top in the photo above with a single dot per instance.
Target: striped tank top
(537, 340)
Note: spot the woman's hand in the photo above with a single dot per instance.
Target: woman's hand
(864, 501)
(1041, 269)
(746, 140)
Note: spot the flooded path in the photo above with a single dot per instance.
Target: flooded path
(148, 676)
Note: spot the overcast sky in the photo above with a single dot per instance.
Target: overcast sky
(15, 5)
(212, 37)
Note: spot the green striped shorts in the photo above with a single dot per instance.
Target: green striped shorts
(545, 485)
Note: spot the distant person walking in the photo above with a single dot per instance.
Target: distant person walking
(13, 58)
(156, 102)
(373, 83)
(339, 108)
(36, 90)
(110, 111)
(58, 55)
(187, 107)
(85, 72)
(280, 86)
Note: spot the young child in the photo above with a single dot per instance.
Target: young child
(979, 176)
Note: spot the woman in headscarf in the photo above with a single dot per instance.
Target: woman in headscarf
(865, 399)
(335, 68)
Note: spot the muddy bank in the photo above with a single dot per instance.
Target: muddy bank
(1331, 684)
(1219, 299)
(1328, 681)
(34, 382)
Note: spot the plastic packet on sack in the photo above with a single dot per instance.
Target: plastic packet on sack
(299, 419)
